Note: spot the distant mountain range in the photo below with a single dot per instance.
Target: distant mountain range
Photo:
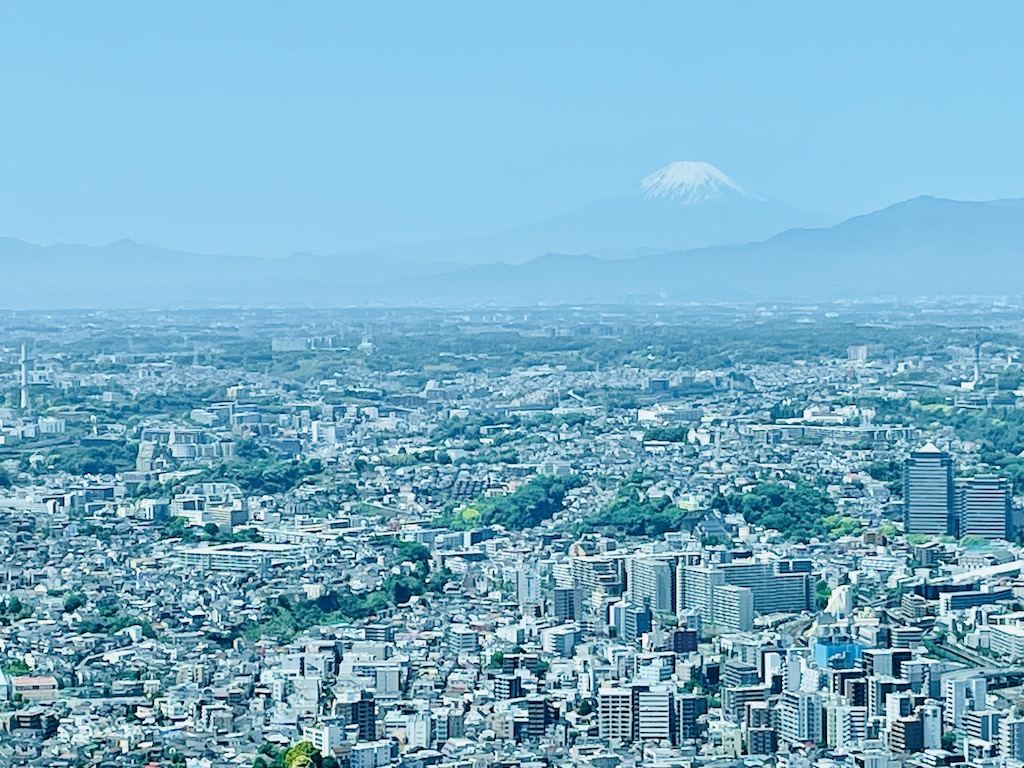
(924, 246)
(686, 204)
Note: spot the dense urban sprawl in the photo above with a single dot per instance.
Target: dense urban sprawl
(703, 536)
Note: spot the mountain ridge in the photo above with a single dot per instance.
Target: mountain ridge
(921, 246)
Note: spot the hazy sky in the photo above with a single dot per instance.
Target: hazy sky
(267, 128)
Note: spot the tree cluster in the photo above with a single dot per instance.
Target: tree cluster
(799, 513)
(636, 513)
(530, 505)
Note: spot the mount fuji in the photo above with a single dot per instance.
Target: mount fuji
(686, 204)
(689, 182)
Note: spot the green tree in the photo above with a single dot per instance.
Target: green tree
(73, 602)
(822, 593)
(300, 755)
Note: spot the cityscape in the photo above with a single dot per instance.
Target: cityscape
(596, 537)
(511, 385)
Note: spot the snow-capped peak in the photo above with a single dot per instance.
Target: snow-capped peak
(687, 182)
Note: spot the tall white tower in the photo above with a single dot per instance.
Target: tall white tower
(24, 379)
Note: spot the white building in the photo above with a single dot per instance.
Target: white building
(800, 717)
(615, 714)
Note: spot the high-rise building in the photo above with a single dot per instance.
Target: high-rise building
(778, 586)
(527, 587)
(699, 583)
(845, 725)
(1011, 738)
(761, 741)
(773, 586)
(652, 583)
(924, 676)
(462, 639)
(928, 497)
(733, 609)
(627, 714)
(598, 572)
(615, 714)
(983, 507)
(357, 708)
(880, 689)
(906, 735)
(885, 662)
(800, 717)
(508, 687)
(540, 715)
(689, 707)
(735, 700)
(654, 716)
(630, 621)
(961, 697)
(983, 724)
(931, 721)
(566, 603)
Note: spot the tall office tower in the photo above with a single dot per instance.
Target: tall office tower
(528, 586)
(983, 507)
(928, 497)
(931, 720)
(357, 708)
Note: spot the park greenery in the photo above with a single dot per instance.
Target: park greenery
(635, 511)
(106, 458)
(15, 667)
(263, 476)
(530, 505)
(284, 617)
(211, 533)
(107, 616)
(800, 512)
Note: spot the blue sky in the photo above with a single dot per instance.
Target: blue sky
(267, 128)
